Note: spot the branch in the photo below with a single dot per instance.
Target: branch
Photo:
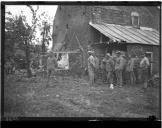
(31, 8)
(37, 8)
(34, 20)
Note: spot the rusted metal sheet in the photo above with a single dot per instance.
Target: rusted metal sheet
(128, 33)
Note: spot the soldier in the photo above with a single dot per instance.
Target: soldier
(119, 65)
(103, 68)
(124, 68)
(91, 67)
(144, 64)
(136, 69)
(109, 69)
(130, 67)
(51, 66)
(96, 67)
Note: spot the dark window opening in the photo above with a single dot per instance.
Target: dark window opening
(135, 19)
(116, 46)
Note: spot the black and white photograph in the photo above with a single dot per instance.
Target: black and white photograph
(81, 60)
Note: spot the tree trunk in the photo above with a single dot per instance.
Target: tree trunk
(43, 48)
(29, 73)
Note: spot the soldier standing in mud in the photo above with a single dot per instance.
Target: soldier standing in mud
(124, 64)
(119, 65)
(137, 70)
(51, 66)
(144, 65)
(103, 68)
(109, 69)
(96, 67)
(130, 70)
(91, 67)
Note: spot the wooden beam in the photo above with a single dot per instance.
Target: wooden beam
(83, 51)
(67, 52)
(80, 46)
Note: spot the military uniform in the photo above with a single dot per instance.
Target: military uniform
(103, 69)
(129, 68)
(144, 64)
(124, 69)
(96, 67)
(91, 68)
(51, 66)
(119, 66)
(109, 69)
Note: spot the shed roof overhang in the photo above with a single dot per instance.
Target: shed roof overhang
(128, 34)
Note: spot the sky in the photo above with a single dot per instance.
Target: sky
(50, 10)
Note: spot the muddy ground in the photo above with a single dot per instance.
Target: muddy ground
(71, 97)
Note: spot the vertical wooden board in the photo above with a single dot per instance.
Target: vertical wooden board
(156, 59)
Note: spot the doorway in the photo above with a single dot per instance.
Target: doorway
(149, 55)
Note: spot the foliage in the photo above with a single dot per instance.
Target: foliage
(15, 33)
(18, 35)
(21, 37)
(46, 36)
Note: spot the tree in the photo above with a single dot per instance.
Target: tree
(28, 39)
(46, 36)
(20, 34)
(15, 33)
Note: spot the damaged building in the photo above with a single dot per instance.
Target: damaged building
(107, 29)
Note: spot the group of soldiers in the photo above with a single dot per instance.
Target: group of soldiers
(119, 69)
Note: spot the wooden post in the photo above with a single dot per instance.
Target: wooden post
(29, 73)
(82, 49)
(100, 38)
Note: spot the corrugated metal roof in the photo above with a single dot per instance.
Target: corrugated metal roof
(128, 33)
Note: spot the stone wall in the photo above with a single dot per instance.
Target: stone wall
(76, 19)
(70, 19)
(149, 15)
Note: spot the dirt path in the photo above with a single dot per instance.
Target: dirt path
(75, 98)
